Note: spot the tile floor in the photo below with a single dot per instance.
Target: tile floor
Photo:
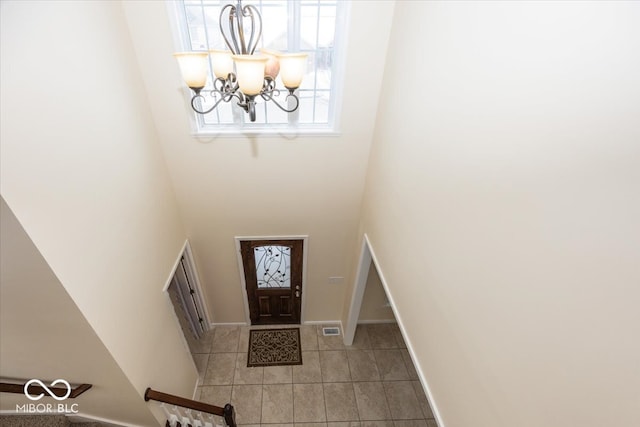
(370, 384)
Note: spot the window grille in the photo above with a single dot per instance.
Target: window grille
(312, 26)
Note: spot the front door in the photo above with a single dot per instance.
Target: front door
(273, 276)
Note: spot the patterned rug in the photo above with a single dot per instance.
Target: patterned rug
(274, 347)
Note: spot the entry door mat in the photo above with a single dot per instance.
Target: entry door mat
(274, 347)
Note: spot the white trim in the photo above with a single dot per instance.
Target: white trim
(243, 283)
(187, 253)
(195, 389)
(213, 325)
(192, 263)
(324, 322)
(165, 292)
(292, 133)
(367, 256)
(362, 273)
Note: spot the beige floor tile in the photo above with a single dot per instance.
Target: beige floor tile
(340, 402)
(243, 340)
(225, 339)
(203, 345)
(246, 375)
(309, 425)
(196, 395)
(278, 375)
(220, 369)
(391, 365)
(201, 360)
(371, 400)
(382, 336)
(218, 395)
(308, 403)
(344, 424)
(247, 402)
(334, 366)
(277, 403)
(329, 342)
(410, 423)
(362, 365)
(360, 340)
(398, 336)
(309, 371)
(432, 423)
(402, 400)
(422, 399)
(386, 423)
(308, 337)
(408, 363)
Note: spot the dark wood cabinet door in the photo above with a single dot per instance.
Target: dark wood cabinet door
(273, 277)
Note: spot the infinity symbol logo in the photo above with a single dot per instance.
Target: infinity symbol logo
(47, 389)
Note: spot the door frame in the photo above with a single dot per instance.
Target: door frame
(187, 253)
(243, 283)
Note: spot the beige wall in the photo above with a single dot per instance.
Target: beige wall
(221, 182)
(502, 204)
(375, 305)
(82, 171)
(45, 336)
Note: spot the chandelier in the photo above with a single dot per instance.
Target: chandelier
(239, 72)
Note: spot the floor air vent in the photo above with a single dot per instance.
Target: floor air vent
(331, 331)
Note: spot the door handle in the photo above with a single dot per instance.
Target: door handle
(297, 294)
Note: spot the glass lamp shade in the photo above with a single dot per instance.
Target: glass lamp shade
(193, 66)
(222, 63)
(272, 68)
(250, 73)
(292, 68)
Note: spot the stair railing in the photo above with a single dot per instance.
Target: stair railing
(23, 386)
(186, 412)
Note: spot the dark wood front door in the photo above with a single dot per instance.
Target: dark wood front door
(273, 276)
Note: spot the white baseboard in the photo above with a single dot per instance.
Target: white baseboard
(213, 325)
(323, 322)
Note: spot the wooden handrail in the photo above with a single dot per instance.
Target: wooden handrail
(227, 412)
(36, 389)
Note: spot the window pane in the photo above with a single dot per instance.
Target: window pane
(273, 266)
(288, 26)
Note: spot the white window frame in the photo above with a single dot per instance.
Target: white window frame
(199, 129)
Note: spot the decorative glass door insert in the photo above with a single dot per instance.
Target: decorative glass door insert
(273, 266)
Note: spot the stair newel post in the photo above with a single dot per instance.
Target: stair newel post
(229, 415)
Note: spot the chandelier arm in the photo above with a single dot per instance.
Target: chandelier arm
(226, 89)
(207, 111)
(268, 96)
(240, 22)
(253, 12)
(231, 31)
